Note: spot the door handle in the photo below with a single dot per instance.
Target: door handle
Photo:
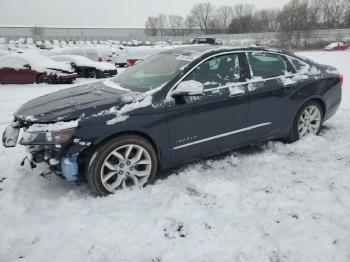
(236, 92)
(290, 86)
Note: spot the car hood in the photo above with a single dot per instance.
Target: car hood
(71, 103)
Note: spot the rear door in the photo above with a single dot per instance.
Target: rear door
(216, 120)
(269, 90)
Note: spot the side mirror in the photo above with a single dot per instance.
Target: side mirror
(27, 66)
(188, 88)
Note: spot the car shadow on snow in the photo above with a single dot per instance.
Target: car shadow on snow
(250, 151)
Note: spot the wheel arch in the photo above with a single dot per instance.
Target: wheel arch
(141, 134)
(319, 100)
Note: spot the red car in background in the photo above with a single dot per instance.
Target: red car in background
(337, 46)
(31, 68)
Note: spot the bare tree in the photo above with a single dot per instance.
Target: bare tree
(346, 18)
(294, 22)
(224, 15)
(266, 20)
(176, 25)
(201, 15)
(332, 13)
(162, 23)
(242, 21)
(37, 30)
(151, 26)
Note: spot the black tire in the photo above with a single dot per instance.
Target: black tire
(41, 78)
(93, 172)
(294, 133)
(92, 74)
(53, 79)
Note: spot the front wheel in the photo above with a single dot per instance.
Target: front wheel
(123, 162)
(307, 121)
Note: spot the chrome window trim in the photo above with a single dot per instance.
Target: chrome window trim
(198, 64)
(168, 96)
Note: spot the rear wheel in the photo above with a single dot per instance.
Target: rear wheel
(92, 74)
(42, 78)
(307, 121)
(123, 162)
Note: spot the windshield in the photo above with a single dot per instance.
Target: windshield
(152, 72)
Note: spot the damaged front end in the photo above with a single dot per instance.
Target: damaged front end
(53, 143)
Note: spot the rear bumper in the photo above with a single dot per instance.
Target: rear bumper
(333, 101)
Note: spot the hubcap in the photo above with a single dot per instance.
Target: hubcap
(310, 121)
(127, 166)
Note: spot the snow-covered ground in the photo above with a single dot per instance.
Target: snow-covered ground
(275, 202)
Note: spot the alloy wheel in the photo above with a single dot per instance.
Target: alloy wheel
(309, 121)
(127, 166)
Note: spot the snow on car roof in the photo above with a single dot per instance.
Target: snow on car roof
(192, 52)
(37, 62)
(335, 44)
(84, 61)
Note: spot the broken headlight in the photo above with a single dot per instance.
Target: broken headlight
(56, 137)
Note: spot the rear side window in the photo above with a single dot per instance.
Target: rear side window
(267, 65)
(299, 65)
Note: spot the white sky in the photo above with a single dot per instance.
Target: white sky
(109, 13)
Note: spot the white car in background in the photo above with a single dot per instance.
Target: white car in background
(87, 68)
(336, 46)
(129, 56)
(98, 54)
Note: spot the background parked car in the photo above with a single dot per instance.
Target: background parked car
(337, 46)
(34, 68)
(140, 53)
(87, 68)
(98, 54)
(204, 40)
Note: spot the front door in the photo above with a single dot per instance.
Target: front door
(215, 121)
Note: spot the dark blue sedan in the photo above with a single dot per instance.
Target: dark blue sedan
(175, 107)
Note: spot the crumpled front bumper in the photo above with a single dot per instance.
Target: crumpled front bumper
(10, 135)
(63, 159)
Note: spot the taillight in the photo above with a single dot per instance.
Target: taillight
(100, 59)
(131, 62)
(341, 80)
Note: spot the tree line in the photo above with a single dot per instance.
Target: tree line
(295, 17)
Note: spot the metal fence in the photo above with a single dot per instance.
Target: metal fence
(127, 34)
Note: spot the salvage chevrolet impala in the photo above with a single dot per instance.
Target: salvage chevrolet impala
(178, 106)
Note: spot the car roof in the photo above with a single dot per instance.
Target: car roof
(201, 50)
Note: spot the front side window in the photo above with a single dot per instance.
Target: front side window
(267, 65)
(218, 71)
(152, 73)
